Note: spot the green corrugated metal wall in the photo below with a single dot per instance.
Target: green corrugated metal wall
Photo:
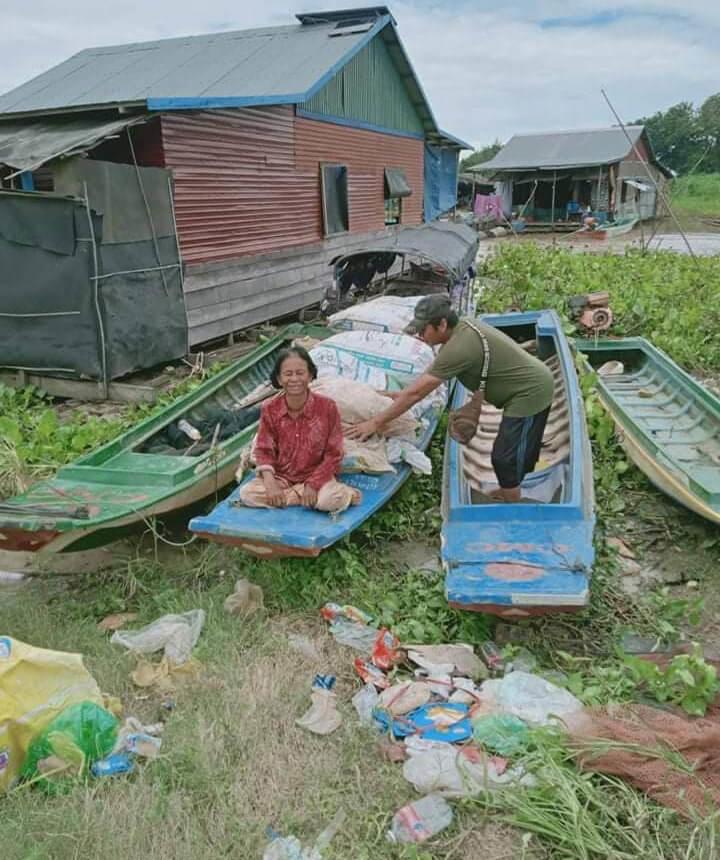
(369, 89)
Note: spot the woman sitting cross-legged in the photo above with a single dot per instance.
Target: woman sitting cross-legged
(299, 446)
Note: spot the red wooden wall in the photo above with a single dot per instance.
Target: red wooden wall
(248, 181)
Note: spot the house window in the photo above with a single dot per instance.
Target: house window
(396, 187)
(393, 208)
(334, 189)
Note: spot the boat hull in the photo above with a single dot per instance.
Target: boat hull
(295, 531)
(667, 423)
(535, 557)
(122, 486)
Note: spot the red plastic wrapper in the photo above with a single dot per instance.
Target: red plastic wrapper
(386, 651)
(371, 674)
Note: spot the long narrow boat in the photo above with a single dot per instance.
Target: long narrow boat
(100, 496)
(534, 557)
(669, 424)
(614, 228)
(298, 532)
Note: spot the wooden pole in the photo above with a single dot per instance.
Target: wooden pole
(552, 212)
(644, 163)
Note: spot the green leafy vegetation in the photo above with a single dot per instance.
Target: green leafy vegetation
(669, 298)
(696, 195)
(686, 138)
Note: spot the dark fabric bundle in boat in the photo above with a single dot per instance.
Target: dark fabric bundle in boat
(228, 422)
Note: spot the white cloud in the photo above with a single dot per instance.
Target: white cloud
(488, 71)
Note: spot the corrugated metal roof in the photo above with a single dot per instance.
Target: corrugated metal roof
(27, 144)
(562, 149)
(265, 66)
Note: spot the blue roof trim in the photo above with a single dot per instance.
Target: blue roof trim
(379, 25)
(451, 137)
(223, 102)
(358, 123)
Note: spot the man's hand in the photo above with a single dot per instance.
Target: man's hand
(310, 496)
(275, 494)
(362, 431)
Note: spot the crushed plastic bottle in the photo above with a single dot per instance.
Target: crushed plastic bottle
(493, 658)
(420, 820)
(191, 432)
(113, 765)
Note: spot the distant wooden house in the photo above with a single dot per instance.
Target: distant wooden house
(283, 148)
(552, 176)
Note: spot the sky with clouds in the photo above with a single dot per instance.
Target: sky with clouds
(488, 69)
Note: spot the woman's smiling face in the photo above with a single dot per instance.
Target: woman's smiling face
(294, 376)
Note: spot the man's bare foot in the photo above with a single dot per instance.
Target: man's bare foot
(506, 495)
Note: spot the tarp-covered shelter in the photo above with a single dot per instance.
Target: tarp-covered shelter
(93, 283)
(442, 152)
(555, 175)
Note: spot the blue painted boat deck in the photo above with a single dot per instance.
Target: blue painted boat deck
(531, 557)
(269, 532)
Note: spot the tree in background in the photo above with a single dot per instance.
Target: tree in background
(481, 155)
(687, 139)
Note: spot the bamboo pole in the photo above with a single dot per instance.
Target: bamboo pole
(658, 189)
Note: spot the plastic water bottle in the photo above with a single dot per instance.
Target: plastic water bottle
(421, 820)
(113, 765)
(190, 431)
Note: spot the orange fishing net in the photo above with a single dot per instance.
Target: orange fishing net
(688, 784)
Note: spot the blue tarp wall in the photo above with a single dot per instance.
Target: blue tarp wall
(441, 169)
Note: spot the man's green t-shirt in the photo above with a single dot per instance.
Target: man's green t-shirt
(517, 382)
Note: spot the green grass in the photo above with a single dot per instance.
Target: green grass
(697, 195)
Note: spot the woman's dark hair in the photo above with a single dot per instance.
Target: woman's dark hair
(298, 352)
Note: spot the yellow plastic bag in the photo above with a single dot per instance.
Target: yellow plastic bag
(35, 686)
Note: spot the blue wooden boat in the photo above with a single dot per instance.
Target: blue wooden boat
(534, 557)
(296, 531)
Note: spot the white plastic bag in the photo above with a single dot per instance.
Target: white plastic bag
(448, 770)
(175, 634)
(364, 701)
(531, 698)
(399, 450)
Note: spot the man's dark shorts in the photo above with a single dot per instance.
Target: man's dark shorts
(517, 448)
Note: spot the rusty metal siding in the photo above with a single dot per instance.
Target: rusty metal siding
(366, 155)
(237, 191)
(248, 181)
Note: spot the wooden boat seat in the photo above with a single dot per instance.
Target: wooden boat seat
(131, 469)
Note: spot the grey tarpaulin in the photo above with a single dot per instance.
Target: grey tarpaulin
(28, 144)
(396, 184)
(56, 231)
(452, 246)
(48, 314)
(114, 192)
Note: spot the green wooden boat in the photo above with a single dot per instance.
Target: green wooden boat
(139, 475)
(669, 424)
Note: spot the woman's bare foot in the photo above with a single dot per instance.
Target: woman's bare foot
(356, 497)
